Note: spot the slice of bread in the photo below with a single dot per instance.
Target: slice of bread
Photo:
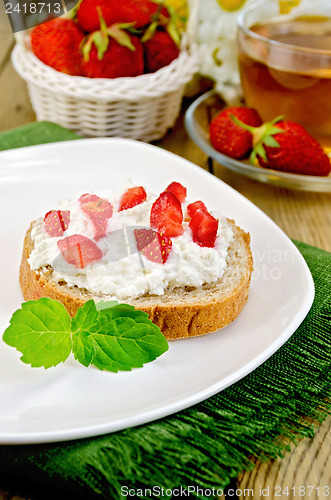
(179, 313)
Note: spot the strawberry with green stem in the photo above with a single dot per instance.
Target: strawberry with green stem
(139, 12)
(286, 146)
(112, 52)
(161, 42)
(228, 137)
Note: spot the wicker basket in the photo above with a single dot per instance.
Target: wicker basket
(142, 107)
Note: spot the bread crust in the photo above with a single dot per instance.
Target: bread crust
(177, 317)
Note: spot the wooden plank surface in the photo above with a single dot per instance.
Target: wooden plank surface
(302, 215)
(6, 37)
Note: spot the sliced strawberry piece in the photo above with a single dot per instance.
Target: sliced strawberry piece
(132, 197)
(79, 250)
(204, 228)
(56, 222)
(167, 215)
(193, 207)
(99, 211)
(178, 190)
(87, 198)
(153, 245)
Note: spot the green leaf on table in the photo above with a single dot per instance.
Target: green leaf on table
(40, 330)
(116, 338)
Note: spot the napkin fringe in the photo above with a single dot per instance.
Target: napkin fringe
(210, 443)
(200, 450)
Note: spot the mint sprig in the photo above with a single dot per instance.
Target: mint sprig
(111, 336)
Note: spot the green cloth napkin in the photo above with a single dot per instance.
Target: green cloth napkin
(207, 444)
(33, 134)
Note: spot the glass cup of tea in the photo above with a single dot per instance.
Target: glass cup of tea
(285, 63)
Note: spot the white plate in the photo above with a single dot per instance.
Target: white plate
(70, 401)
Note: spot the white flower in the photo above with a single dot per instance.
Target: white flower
(216, 35)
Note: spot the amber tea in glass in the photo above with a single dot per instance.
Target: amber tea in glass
(285, 65)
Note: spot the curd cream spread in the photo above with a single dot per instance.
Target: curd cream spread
(123, 272)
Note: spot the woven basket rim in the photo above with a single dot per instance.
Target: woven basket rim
(165, 80)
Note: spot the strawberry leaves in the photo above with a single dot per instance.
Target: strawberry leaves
(110, 336)
(262, 136)
(101, 38)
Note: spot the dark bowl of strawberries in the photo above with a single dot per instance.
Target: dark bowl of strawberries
(280, 152)
(109, 68)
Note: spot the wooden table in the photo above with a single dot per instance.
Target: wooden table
(302, 215)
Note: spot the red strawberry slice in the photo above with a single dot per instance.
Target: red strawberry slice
(87, 198)
(79, 250)
(166, 215)
(99, 211)
(178, 190)
(132, 197)
(204, 228)
(193, 207)
(153, 245)
(56, 222)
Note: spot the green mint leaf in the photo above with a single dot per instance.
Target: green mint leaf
(109, 335)
(105, 304)
(126, 311)
(116, 338)
(82, 344)
(40, 330)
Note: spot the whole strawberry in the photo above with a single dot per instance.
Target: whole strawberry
(57, 44)
(112, 53)
(139, 12)
(160, 50)
(229, 138)
(297, 152)
(287, 146)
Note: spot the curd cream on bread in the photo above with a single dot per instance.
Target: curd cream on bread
(123, 272)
